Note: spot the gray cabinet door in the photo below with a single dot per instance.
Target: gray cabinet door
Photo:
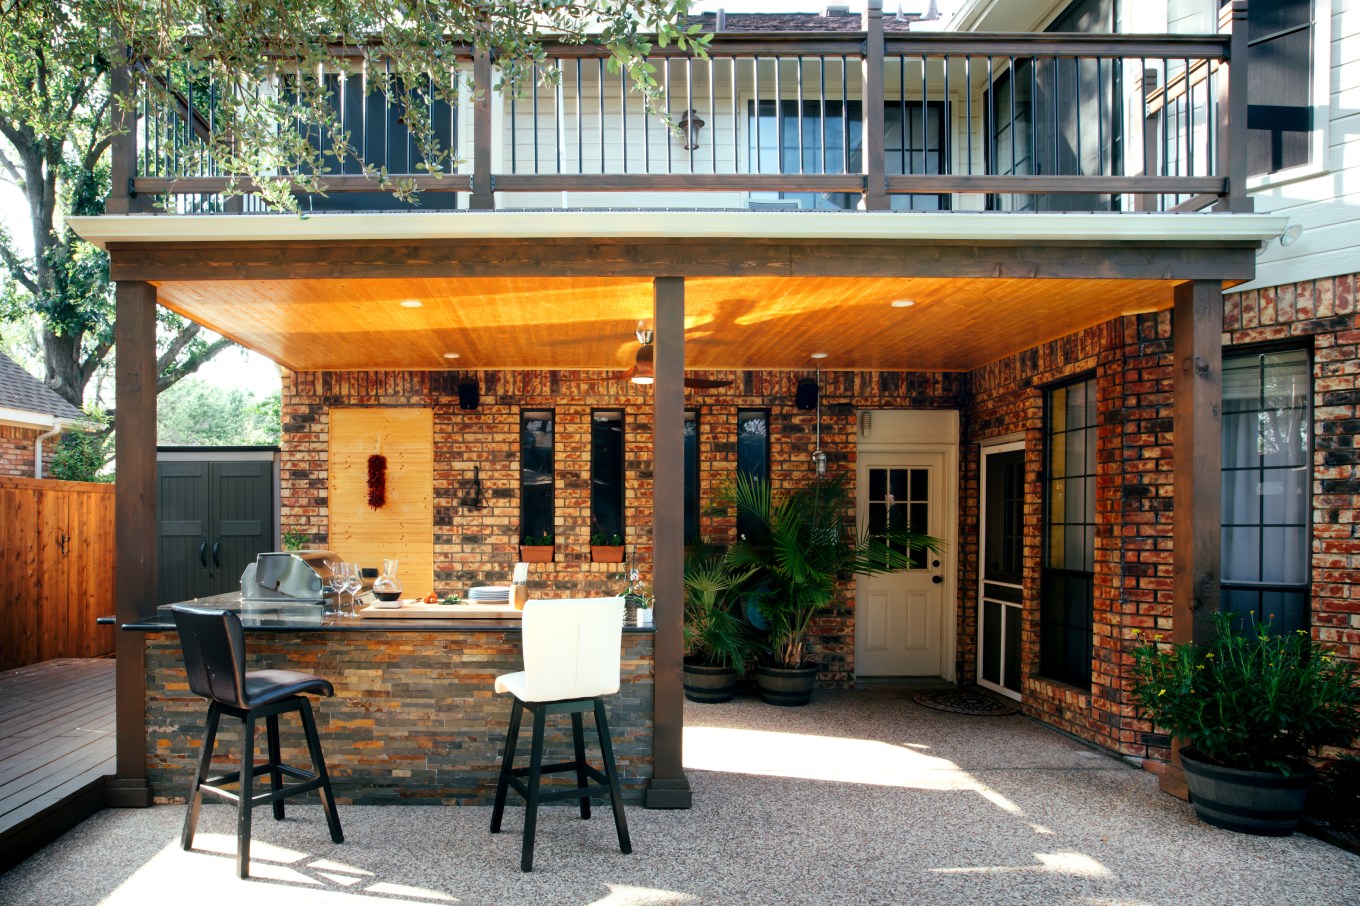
(214, 518)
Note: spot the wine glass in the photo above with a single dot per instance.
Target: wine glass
(337, 586)
(341, 585)
(356, 585)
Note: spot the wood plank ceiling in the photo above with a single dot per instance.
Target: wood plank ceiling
(742, 323)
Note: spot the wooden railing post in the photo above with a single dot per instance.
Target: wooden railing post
(123, 147)
(483, 196)
(1150, 124)
(1232, 111)
(871, 84)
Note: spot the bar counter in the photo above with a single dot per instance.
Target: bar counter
(415, 717)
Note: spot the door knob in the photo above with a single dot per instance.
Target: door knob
(937, 579)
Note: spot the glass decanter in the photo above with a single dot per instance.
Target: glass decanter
(386, 587)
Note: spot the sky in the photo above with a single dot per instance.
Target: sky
(256, 374)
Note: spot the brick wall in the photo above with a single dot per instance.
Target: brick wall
(16, 450)
(414, 717)
(476, 544)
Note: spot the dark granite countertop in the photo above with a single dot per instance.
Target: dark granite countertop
(257, 617)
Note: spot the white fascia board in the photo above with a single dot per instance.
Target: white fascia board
(22, 418)
(952, 226)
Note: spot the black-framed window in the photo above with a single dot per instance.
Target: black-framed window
(536, 481)
(1267, 475)
(913, 142)
(1067, 578)
(606, 474)
(691, 475)
(753, 453)
(1280, 122)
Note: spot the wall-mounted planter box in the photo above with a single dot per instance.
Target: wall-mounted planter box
(536, 553)
(606, 553)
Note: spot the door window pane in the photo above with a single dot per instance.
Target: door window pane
(606, 476)
(753, 454)
(536, 474)
(691, 476)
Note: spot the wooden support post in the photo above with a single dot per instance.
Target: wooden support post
(1152, 142)
(1232, 111)
(134, 519)
(668, 788)
(123, 147)
(872, 76)
(483, 196)
(1197, 329)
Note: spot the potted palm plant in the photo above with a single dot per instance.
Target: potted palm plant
(802, 546)
(1249, 707)
(718, 643)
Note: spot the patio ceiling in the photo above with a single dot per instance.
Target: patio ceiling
(750, 323)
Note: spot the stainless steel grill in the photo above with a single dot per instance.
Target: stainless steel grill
(299, 577)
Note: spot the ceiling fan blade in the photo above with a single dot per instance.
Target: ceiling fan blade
(705, 383)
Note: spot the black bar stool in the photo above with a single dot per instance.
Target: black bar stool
(571, 661)
(215, 659)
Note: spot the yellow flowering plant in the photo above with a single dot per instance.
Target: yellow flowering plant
(1252, 700)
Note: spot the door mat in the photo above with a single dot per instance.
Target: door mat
(967, 701)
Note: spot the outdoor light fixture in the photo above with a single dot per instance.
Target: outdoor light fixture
(818, 355)
(818, 457)
(411, 303)
(1291, 235)
(690, 124)
(451, 355)
(903, 303)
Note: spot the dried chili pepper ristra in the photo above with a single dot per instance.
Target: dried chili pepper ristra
(377, 480)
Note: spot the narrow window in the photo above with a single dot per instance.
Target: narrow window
(753, 453)
(606, 477)
(1267, 470)
(691, 476)
(536, 474)
(1067, 580)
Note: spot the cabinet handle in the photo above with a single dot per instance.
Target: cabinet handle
(217, 548)
(203, 553)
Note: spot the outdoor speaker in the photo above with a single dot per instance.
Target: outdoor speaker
(468, 395)
(806, 397)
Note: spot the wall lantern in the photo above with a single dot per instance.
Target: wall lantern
(690, 124)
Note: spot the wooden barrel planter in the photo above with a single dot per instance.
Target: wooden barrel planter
(786, 687)
(1265, 803)
(709, 685)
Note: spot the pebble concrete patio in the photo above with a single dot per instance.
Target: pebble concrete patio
(862, 797)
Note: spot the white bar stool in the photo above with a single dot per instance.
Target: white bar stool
(571, 661)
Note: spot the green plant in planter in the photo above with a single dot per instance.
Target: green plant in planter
(600, 539)
(543, 540)
(716, 635)
(294, 540)
(803, 544)
(1251, 701)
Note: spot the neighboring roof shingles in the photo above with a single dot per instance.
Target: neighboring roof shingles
(21, 390)
(805, 22)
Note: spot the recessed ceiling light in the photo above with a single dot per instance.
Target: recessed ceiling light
(903, 303)
(451, 355)
(411, 303)
(819, 355)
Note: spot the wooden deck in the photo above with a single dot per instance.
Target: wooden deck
(56, 747)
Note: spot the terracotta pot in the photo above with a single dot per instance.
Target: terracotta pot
(536, 553)
(606, 553)
(1265, 803)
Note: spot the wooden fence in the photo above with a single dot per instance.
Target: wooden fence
(56, 570)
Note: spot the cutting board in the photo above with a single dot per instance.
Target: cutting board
(417, 610)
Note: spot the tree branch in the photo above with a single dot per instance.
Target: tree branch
(169, 379)
(15, 265)
(181, 340)
(95, 359)
(10, 167)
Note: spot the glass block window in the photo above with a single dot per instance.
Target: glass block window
(1067, 579)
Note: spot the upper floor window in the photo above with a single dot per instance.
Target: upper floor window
(536, 473)
(1267, 471)
(1067, 578)
(606, 476)
(1280, 36)
(753, 453)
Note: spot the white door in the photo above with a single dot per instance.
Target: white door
(1001, 554)
(899, 616)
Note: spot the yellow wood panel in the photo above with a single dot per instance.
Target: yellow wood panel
(404, 527)
(747, 323)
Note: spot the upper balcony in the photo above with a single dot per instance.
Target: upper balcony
(873, 119)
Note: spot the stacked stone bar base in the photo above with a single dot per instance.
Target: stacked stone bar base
(415, 718)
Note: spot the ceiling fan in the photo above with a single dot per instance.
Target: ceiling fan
(642, 370)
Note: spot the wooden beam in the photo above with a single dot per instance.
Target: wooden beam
(875, 196)
(1197, 329)
(189, 261)
(134, 529)
(668, 787)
